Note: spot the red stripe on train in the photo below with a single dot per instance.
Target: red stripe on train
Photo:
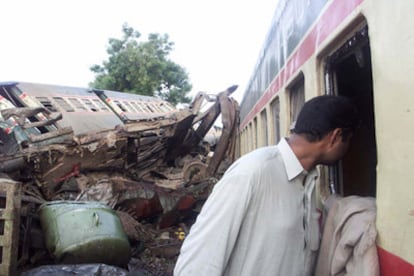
(391, 265)
(331, 18)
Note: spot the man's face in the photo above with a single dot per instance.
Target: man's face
(338, 150)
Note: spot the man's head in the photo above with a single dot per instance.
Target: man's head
(323, 114)
(328, 121)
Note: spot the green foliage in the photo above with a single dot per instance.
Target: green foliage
(142, 68)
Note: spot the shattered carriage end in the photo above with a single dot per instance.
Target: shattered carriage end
(139, 156)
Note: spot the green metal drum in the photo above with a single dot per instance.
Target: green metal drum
(84, 232)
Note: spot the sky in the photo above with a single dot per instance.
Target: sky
(56, 42)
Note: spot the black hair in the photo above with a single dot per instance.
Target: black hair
(322, 114)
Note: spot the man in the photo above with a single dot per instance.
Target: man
(261, 218)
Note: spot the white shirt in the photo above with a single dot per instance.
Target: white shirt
(260, 219)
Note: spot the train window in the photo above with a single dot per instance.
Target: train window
(348, 72)
(46, 103)
(161, 108)
(137, 107)
(129, 107)
(296, 97)
(63, 104)
(263, 123)
(243, 142)
(275, 110)
(100, 104)
(170, 107)
(90, 105)
(12, 94)
(164, 107)
(118, 103)
(157, 107)
(246, 140)
(150, 107)
(255, 133)
(250, 137)
(77, 104)
(144, 107)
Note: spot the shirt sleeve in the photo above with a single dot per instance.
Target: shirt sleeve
(207, 248)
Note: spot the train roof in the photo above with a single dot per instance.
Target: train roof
(126, 95)
(291, 21)
(51, 89)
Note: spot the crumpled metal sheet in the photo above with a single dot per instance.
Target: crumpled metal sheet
(101, 192)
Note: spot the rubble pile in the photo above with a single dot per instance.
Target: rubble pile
(155, 174)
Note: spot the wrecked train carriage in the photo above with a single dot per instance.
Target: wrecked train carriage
(47, 115)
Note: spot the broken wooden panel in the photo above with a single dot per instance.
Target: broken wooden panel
(194, 137)
(229, 109)
(10, 199)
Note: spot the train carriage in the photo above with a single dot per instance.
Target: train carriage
(364, 50)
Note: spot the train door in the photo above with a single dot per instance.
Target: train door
(348, 73)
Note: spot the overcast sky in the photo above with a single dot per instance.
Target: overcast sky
(56, 42)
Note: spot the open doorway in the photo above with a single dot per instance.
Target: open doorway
(348, 73)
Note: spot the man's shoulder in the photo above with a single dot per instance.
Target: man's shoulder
(257, 158)
(264, 153)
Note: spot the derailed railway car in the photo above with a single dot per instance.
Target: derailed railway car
(350, 48)
(85, 109)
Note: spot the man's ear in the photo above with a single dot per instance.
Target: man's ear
(336, 136)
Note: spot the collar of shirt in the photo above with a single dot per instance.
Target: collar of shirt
(292, 164)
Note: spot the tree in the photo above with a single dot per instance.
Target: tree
(142, 68)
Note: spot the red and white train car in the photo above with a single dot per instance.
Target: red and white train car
(362, 49)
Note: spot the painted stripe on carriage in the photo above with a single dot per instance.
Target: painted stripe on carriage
(391, 265)
(330, 19)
